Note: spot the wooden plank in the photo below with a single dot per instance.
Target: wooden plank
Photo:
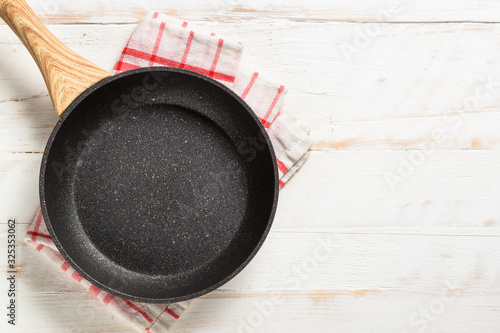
(395, 277)
(453, 191)
(387, 311)
(113, 11)
(389, 188)
(350, 263)
(445, 79)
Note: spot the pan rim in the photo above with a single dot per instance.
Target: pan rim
(60, 123)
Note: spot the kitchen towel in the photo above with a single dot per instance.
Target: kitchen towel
(160, 40)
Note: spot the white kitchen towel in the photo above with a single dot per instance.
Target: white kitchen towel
(160, 40)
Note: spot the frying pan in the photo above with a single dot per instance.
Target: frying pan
(156, 184)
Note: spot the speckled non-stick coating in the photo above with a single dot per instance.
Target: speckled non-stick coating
(158, 184)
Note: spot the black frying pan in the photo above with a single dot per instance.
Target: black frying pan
(157, 184)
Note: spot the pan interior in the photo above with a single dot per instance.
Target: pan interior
(159, 187)
(170, 185)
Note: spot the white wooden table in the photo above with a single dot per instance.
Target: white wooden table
(392, 225)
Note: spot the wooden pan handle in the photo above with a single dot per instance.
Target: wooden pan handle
(66, 74)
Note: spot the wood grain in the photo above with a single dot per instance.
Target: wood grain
(127, 11)
(66, 74)
(386, 279)
(383, 97)
(394, 248)
(453, 193)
